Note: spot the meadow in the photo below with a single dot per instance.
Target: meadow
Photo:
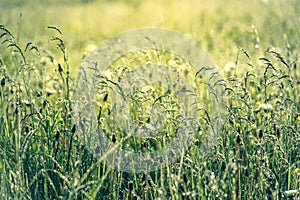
(256, 47)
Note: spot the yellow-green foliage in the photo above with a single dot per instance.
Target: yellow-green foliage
(256, 46)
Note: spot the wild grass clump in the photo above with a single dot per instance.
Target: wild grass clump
(256, 156)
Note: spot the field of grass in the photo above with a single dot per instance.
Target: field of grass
(255, 45)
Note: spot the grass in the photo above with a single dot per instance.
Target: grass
(256, 47)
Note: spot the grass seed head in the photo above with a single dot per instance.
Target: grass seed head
(260, 133)
(57, 135)
(113, 138)
(105, 98)
(3, 81)
(73, 129)
(60, 69)
(238, 139)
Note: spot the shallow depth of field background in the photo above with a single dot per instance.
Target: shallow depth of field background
(221, 27)
(258, 156)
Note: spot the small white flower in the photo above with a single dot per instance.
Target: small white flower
(25, 101)
(90, 48)
(265, 106)
(50, 91)
(147, 88)
(108, 74)
(229, 67)
(212, 176)
(290, 193)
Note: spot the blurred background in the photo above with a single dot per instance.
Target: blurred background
(221, 27)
